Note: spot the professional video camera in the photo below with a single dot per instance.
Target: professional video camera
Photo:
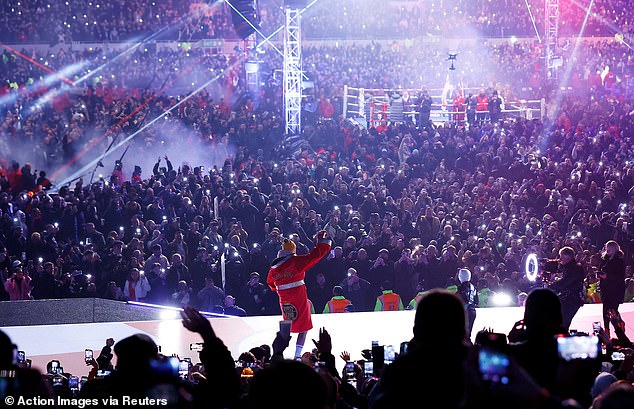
(543, 268)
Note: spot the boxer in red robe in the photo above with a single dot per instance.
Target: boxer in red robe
(286, 277)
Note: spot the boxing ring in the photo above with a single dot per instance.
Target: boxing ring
(372, 107)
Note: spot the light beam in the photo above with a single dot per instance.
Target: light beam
(528, 6)
(90, 165)
(42, 66)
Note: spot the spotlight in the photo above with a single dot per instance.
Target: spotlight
(168, 314)
(502, 300)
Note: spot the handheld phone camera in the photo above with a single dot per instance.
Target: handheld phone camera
(88, 356)
(578, 347)
(493, 366)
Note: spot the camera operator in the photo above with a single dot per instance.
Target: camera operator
(18, 285)
(612, 281)
(570, 287)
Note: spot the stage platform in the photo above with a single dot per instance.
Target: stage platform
(350, 332)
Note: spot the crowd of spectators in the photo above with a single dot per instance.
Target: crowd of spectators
(516, 66)
(138, 86)
(406, 204)
(478, 197)
(403, 203)
(52, 22)
(142, 66)
(83, 20)
(525, 369)
(459, 18)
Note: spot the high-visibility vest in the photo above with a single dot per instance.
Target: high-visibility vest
(389, 301)
(592, 296)
(483, 296)
(336, 304)
(414, 303)
(482, 103)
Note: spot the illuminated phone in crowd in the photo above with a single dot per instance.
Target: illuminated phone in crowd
(368, 369)
(349, 374)
(183, 368)
(73, 383)
(88, 356)
(101, 373)
(493, 366)
(578, 347)
(404, 347)
(349, 369)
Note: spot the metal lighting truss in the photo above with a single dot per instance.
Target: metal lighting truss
(293, 71)
(552, 36)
